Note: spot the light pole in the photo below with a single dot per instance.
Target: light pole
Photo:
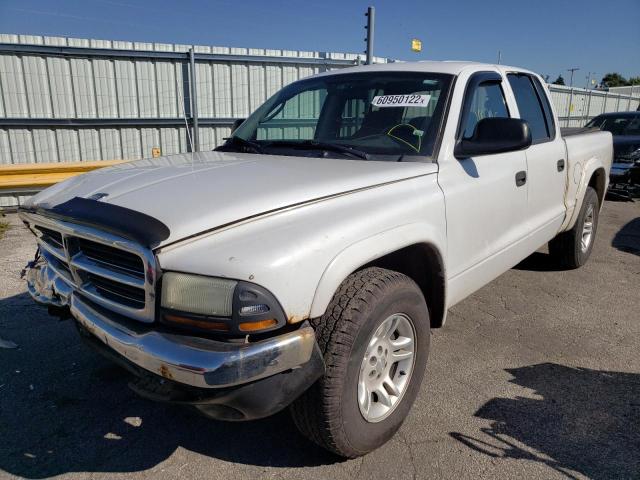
(371, 18)
(572, 70)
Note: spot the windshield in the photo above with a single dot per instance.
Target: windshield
(624, 125)
(374, 115)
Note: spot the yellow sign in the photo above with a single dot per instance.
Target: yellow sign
(416, 45)
(156, 152)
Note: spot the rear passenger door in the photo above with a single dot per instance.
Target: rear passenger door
(546, 157)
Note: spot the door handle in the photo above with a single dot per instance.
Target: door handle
(561, 164)
(521, 178)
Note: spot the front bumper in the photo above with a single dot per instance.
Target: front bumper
(196, 361)
(183, 360)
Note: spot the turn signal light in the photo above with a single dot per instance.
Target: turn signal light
(259, 325)
(254, 309)
(202, 324)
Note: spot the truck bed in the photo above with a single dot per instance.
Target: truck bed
(570, 131)
(582, 144)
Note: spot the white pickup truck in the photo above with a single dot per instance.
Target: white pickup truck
(305, 261)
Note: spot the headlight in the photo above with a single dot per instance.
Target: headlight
(218, 305)
(198, 294)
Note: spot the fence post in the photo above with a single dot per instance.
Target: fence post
(618, 104)
(569, 108)
(586, 117)
(604, 104)
(193, 88)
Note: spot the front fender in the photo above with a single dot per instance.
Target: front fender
(371, 248)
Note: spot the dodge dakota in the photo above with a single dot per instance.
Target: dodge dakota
(304, 263)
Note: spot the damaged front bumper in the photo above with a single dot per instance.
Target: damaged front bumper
(231, 381)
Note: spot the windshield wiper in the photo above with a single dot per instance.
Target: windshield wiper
(315, 145)
(234, 143)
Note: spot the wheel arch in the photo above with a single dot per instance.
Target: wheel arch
(598, 182)
(420, 258)
(592, 174)
(422, 263)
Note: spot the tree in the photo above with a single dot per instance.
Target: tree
(614, 80)
(634, 81)
(559, 81)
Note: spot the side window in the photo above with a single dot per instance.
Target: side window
(551, 126)
(487, 101)
(633, 128)
(530, 106)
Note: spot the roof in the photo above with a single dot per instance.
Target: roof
(447, 66)
(619, 114)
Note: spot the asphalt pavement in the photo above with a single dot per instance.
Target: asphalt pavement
(537, 375)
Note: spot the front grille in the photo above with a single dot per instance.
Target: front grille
(117, 292)
(109, 270)
(112, 258)
(51, 237)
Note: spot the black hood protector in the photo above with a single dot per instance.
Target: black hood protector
(121, 221)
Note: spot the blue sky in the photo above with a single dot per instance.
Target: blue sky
(547, 36)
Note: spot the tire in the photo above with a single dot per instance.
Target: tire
(568, 249)
(330, 412)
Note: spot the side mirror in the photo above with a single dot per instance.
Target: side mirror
(495, 135)
(236, 123)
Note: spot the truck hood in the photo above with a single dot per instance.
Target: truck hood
(196, 192)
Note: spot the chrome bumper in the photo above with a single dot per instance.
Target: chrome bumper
(188, 360)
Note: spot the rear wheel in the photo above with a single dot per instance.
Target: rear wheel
(572, 249)
(375, 341)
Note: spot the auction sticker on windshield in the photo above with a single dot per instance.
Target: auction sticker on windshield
(412, 100)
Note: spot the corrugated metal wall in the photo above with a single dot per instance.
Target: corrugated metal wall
(575, 106)
(58, 87)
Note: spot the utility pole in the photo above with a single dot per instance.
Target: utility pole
(589, 79)
(369, 27)
(572, 70)
(499, 57)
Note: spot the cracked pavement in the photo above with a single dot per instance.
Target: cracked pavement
(537, 375)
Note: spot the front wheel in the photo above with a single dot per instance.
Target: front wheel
(571, 249)
(375, 340)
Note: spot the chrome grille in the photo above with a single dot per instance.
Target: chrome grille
(115, 291)
(112, 258)
(109, 270)
(52, 237)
